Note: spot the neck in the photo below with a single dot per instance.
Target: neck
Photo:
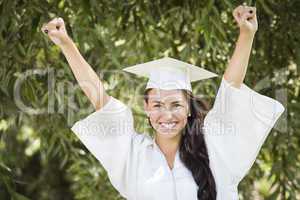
(168, 146)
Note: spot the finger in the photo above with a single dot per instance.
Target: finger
(250, 13)
(60, 24)
(238, 10)
(241, 11)
(253, 10)
(56, 40)
(236, 17)
(54, 24)
(54, 33)
(53, 21)
(250, 9)
(236, 14)
(50, 26)
(44, 29)
(246, 9)
(247, 16)
(55, 36)
(60, 21)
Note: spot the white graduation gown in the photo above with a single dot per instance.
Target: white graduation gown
(235, 129)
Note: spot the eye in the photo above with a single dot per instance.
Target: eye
(157, 105)
(177, 105)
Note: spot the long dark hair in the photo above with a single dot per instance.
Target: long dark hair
(192, 148)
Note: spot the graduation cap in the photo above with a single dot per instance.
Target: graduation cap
(169, 73)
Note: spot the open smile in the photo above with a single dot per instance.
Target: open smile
(168, 125)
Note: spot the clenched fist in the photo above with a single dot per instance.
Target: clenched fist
(245, 16)
(56, 31)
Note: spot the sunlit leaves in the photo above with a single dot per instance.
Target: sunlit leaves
(41, 158)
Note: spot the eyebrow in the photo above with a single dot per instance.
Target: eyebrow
(173, 102)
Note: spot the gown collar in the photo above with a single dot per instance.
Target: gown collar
(177, 162)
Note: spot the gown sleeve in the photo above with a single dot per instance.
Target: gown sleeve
(238, 125)
(108, 133)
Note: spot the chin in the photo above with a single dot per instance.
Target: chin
(167, 133)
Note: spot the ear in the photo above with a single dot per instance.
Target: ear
(189, 111)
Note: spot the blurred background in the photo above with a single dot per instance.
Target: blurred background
(40, 157)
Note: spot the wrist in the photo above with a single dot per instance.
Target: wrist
(246, 38)
(67, 45)
(247, 34)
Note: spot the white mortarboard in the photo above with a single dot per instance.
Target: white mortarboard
(169, 73)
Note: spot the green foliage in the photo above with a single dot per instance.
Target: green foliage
(40, 158)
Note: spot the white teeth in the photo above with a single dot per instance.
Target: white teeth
(168, 125)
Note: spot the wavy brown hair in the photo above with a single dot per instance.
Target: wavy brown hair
(192, 149)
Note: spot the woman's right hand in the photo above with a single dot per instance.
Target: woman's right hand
(56, 31)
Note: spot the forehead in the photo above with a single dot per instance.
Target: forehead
(165, 95)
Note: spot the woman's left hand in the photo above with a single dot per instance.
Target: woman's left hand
(245, 16)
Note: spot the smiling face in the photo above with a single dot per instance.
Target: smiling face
(168, 111)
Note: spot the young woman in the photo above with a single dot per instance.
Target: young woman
(192, 156)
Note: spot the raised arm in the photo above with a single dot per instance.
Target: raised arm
(246, 19)
(86, 77)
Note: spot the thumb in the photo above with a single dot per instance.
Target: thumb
(61, 23)
(246, 16)
(54, 33)
(55, 36)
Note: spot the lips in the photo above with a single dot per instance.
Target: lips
(168, 125)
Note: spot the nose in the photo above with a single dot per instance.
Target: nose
(168, 114)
